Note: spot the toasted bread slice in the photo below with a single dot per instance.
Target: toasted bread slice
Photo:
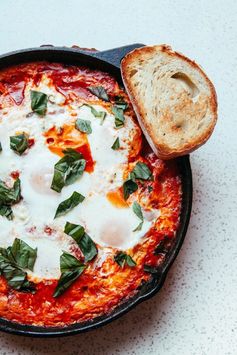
(174, 100)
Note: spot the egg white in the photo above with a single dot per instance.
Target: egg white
(107, 225)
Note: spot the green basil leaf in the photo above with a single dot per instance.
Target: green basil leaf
(68, 262)
(122, 258)
(83, 126)
(74, 230)
(68, 169)
(129, 186)
(98, 114)
(9, 196)
(130, 261)
(39, 102)
(12, 261)
(139, 227)
(150, 269)
(119, 101)
(102, 117)
(162, 247)
(73, 153)
(68, 204)
(83, 240)
(141, 172)
(150, 189)
(116, 144)
(100, 92)
(19, 143)
(28, 286)
(6, 211)
(71, 269)
(119, 117)
(138, 211)
(0, 147)
(24, 256)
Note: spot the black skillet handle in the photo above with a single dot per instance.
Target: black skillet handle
(115, 55)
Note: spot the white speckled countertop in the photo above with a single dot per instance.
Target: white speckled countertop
(196, 311)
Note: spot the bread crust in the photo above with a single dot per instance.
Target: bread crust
(162, 150)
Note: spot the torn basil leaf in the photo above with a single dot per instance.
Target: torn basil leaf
(83, 126)
(83, 240)
(116, 144)
(150, 269)
(119, 117)
(98, 114)
(68, 169)
(13, 261)
(23, 255)
(141, 172)
(122, 258)
(119, 101)
(6, 211)
(39, 102)
(71, 268)
(68, 204)
(73, 153)
(129, 186)
(100, 92)
(150, 189)
(19, 143)
(9, 196)
(162, 247)
(138, 211)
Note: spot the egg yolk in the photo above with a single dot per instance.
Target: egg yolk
(60, 139)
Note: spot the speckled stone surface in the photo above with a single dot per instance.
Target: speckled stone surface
(196, 311)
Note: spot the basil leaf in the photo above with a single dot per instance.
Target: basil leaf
(116, 144)
(71, 268)
(150, 269)
(9, 196)
(119, 101)
(83, 126)
(67, 169)
(100, 92)
(67, 205)
(83, 240)
(122, 258)
(102, 117)
(73, 153)
(23, 255)
(142, 172)
(0, 147)
(7, 212)
(13, 260)
(39, 102)
(28, 286)
(150, 189)
(162, 247)
(138, 211)
(129, 186)
(98, 114)
(19, 143)
(119, 117)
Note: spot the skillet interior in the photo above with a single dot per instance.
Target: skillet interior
(107, 61)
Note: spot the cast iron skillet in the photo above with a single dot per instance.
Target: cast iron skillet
(108, 61)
